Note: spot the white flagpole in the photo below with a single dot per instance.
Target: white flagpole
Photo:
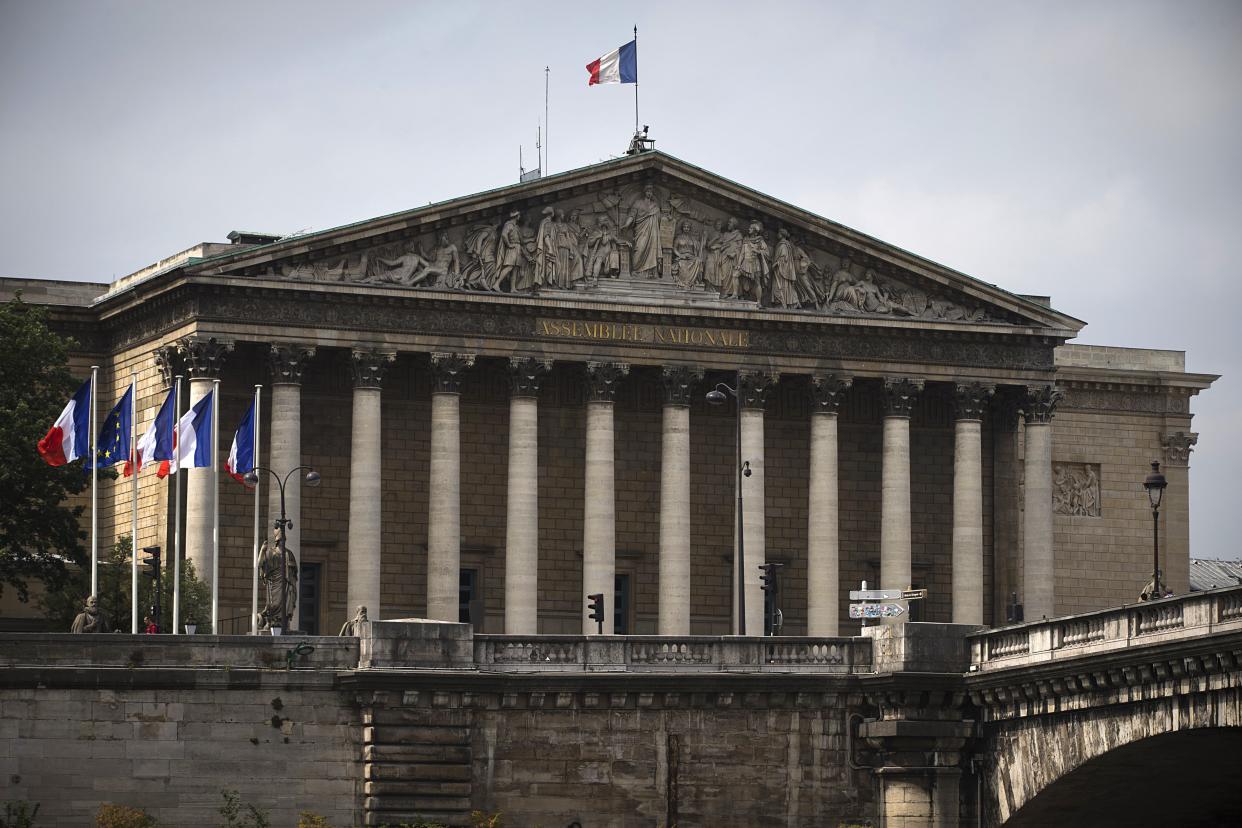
(133, 517)
(215, 507)
(176, 616)
(254, 592)
(94, 484)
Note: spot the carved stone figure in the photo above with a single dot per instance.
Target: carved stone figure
(568, 257)
(407, 267)
(445, 263)
(353, 626)
(605, 253)
(545, 250)
(728, 248)
(644, 218)
(510, 256)
(784, 286)
(754, 264)
(269, 574)
(480, 270)
(687, 257)
(809, 292)
(90, 619)
(712, 276)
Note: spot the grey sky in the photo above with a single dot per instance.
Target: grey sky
(1087, 150)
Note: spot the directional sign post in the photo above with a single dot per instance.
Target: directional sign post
(875, 594)
(912, 594)
(876, 610)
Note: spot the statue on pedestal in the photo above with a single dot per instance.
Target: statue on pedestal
(269, 573)
(353, 626)
(90, 619)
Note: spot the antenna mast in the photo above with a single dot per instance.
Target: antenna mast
(546, 125)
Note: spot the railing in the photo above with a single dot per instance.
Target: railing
(1188, 616)
(544, 653)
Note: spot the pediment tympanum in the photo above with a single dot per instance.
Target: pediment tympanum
(655, 240)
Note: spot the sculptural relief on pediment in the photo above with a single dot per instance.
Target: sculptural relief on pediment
(643, 241)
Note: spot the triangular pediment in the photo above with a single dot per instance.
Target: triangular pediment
(647, 229)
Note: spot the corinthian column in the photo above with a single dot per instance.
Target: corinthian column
(753, 388)
(679, 383)
(204, 357)
(365, 473)
(444, 488)
(1175, 510)
(285, 454)
(522, 514)
(823, 550)
(972, 400)
(899, 398)
(1038, 558)
(599, 525)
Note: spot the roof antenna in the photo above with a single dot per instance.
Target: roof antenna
(640, 142)
(537, 172)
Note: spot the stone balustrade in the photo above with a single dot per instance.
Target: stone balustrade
(166, 651)
(695, 653)
(1134, 625)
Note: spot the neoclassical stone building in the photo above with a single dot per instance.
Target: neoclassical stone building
(505, 396)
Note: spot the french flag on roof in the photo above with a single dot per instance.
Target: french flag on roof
(69, 437)
(618, 66)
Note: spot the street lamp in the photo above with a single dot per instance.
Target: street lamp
(717, 397)
(283, 524)
(1155, 485)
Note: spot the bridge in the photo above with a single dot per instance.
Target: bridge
(1121, 717)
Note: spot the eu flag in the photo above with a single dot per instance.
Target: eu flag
(113, 445)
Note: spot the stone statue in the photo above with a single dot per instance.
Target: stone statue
(545, 250)
(445, 263)
(354, 625)
(644, 218)
(408, 267)
(90, 619)
(568, 249)
(784, 290)
(809, 292)
(510, 256)
(728, 248)
(1075, 490)
(711, 255)
(269, 574)
(604, 256)
(480, 270)
(754, 264)
(687, 257)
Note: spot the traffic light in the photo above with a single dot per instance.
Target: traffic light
(771, 592)
(596, 603)
(151, 560)
(768, 578)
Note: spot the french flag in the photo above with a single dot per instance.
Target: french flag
(159, 440)
(241, 454)
(69, 438)
(194, 438)
(619, 66)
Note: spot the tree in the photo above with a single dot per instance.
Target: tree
(40, 536)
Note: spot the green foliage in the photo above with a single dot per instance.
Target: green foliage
(115, 580)
(40, 537)
(237, 815)
(480, 819)
(111, 815)
(19, 813)
(310, 819)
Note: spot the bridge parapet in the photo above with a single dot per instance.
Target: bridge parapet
(1134, 625)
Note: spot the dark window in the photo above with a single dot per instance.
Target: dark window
(621, 605)
(309, 597)
(467, 594)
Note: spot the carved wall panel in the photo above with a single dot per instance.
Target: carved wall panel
(1076, 489)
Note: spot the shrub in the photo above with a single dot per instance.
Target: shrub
(111, 815)
(19, 813)
(237, 815)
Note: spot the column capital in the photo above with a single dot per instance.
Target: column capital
(286, 361)
(525, 375)
(900, 394)
(971, 399)
(602, 379)
(369, 367)
(753, 387)
(679, 382)
(1178, 446)
(1041, 401)
(828, 391)
(446, 371)
(203, 355)
(166, 358)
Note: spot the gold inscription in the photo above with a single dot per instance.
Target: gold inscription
(721, 338)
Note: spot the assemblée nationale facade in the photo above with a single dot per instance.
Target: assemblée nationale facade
(505, 397)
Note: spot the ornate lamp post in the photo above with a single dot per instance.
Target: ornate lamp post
(717, 397)
(1155, 485)
(283, 524)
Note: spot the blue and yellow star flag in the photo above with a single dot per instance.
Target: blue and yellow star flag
(113, 445)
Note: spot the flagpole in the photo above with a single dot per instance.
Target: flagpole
(215, 507)
(133, 517)
(635, 80)
(94, 485)
(176, 451)
(254, 590)
(546, 127)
